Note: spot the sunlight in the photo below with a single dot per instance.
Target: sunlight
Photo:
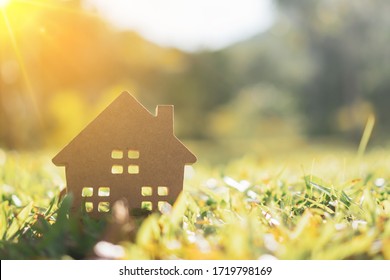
(14, 31)
(3, 3)
(21, 63)
(54, 6)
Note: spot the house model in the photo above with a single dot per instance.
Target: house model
(126, 152)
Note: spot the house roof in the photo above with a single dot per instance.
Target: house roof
(125, 117)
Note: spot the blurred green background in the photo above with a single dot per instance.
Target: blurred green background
(314, 76)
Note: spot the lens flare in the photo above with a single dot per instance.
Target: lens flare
(3, 3)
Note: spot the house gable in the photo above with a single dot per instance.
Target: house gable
(125, 118)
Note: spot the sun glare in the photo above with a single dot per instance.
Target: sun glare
(3, 3)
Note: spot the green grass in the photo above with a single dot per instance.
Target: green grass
(305, 206)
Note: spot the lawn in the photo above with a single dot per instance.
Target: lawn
(322, 204)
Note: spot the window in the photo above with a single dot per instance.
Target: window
(87, 192)
(102, 194)
(162, 191)
(133, 154)
(88, 207)
(104, 191)
(120, 161)
(133, 169)
(104, 207)
(147, 205)
(117, 154)
(146, 191)
(117, 169)
(161, 204)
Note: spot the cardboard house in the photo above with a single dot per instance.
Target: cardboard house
(126, 152)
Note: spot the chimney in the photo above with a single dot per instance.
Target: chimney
(165, 117)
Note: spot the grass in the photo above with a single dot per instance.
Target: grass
(306, 206)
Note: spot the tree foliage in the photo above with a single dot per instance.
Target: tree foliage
(325, 64)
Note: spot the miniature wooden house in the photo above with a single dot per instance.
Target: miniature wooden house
(126, 152)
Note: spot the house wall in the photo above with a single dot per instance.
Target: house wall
(160, 161)
(153, 174)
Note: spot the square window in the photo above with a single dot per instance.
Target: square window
(133, 169)
(88, 207)
(161, 204)
(162, 191)
(116, 154)
(147, 205)
(104, 207)
(104, 191)
(117, 169)
(87, 192)
(146, 191)
(133, 154)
